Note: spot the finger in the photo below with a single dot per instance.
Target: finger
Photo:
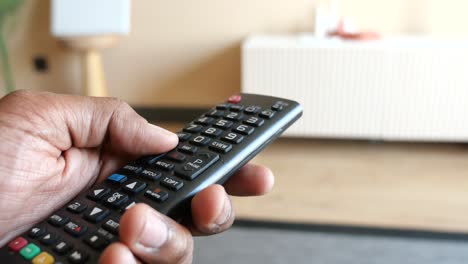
(212, 211)
(117, 253)
(250, 180)
(155, 238)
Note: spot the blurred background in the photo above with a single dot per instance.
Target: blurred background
(391, 189)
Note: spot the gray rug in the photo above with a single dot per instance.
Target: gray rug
(276, 246)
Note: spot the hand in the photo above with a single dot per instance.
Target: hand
(54, 146)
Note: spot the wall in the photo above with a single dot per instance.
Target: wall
(187, 53)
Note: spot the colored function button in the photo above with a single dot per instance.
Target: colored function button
(187, 149)
(234, 99)
(77, 207)
(112, 226)
(48, 239)
(77, 257)
(134, 186)
(98, 193)
(75, 229)
(30, 251)
(223, 124)
(176, 156)
(116, 199)
(204, 120)
(253, 109)
(212, 132)
(267, 113)
(254, 121)
(244, 129)
(232, 138)
(164, 165)
(17, 244)
(192, 128)
(172, 183)
(200, 140)
(96, 214)
(58, 220)
(117, 178)
(150, 174)
(234, 116)
(214, 113)
(43, 258)
(183, 136)
(36, 232)
(220, 147)
(62, 247)
(196, 165)
(157, 195)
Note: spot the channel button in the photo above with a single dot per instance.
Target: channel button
(196, 165)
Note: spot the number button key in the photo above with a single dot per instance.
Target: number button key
(232, 138)
(215, 113)
(212, 132)
(253, 109)
(244, 129)
(204, 120)
(200, 140)
(223, 124)
(192, 128)
(254, 121)
(234, 116)
(267, 113)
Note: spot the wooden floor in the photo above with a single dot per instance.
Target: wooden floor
(391, 185)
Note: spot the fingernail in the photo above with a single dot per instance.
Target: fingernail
(154, 233)
(225, 214)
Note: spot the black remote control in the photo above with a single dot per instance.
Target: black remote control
(210, 150)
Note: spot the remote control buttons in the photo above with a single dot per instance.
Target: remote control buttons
(223, 124)
(237, 108)
(223, 106)
(77, 207)
(48, 239)
(30, 251)
(220, 147)
(149, 174)
(212, 132)
(267, 113)
(96, 214)
(77, 257)
(116, 199)
(244, 129)
(17, 244)
(112, 226)
(172, 183)
(75, 229)
(176, 156)
(164, 165)
(131, 169)
(254, 121)
(117, 178)
(43, 258)
(97, 193)
(157, 195)
(192, 128)
(57, 220)
(97, 241)
(183, 136)
(252, 110)
(188, 149)
(62, 247)
(196, 165)
(234, 99)
(204, 120)
(279, 105)
(232, 138)
(36, 231)
(200, 141)
(234, 116)
(215, 113)
(134, 186)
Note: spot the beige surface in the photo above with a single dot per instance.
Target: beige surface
(188, 52)
(397, 185)
(366, 184)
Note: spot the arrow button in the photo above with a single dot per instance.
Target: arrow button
(96, 214)
(97, 193)
(134, 187)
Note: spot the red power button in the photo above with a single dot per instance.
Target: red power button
(234, 99)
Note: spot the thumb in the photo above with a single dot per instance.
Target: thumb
(155, 238)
